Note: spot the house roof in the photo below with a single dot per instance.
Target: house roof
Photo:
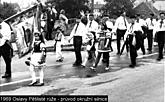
(146, 8)
(159, 5)
(98, 6)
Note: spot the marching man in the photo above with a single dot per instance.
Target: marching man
(150, 23)
(134, 33)
(160, 30)
(120, 28)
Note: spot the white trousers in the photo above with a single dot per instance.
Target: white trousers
(58, 50)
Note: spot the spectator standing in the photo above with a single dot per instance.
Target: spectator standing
(51, 17)
(5, 47)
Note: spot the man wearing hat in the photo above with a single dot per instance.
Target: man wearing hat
(150, 24)
(5, 47)
(160, 30)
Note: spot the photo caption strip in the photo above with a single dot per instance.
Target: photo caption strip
(59, 98)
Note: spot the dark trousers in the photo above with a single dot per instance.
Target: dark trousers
(120, 34)
(50, 26)
(150, 39)
(77, 43)
(161, 42)
(105, 56)
(139, 41)
(5, 52)
(133, 51)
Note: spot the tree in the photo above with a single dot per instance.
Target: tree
(8, 9)
(72, 7)
(114, 7)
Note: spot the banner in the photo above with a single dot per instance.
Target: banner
(24, 36)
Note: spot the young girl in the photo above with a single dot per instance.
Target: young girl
(58, 42)
(104, 47)
(37, 60)
(90, 49)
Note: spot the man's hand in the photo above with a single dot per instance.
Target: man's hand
(69, 40)
(114, 33)
(1, 35)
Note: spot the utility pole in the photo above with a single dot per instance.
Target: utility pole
(92, 7)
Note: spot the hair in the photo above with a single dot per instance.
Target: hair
(91, 14)
(40, 36)
(152, 14)
(162, 13)
(62, 11)
(84, 20)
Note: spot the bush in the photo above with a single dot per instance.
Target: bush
(8, 9)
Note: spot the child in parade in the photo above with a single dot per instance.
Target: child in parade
(90, 48)
(37, 60)
(103, 48)
(59, 37)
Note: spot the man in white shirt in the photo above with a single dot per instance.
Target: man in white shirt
(5, 47)
(150, 23)
(140, 22)
(160, 30)
(120, 28)
(92, 25)
(78, 33)
(135, 39)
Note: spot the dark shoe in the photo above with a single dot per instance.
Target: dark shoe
(132, 66)
(33, 83)
(118, 53)
(159, 59)
(103, 60)
(28, 58)
(82, 66)
(149, 52)
(61, 60)
(40, 84)
(27, 63)
(6, 76)
(76, 64)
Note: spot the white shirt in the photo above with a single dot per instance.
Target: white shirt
(158, 24)
(150, 24)
(6, 33)
(109, 24)
(81, 30)
(131, 28)
(121, 24)
(92, 26)
(142, 22)
(61, 16)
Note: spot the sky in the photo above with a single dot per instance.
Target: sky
(25, 3)
(101, 1)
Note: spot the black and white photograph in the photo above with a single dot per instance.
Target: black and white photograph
(82, 50)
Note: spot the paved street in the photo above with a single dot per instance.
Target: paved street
(145, 83)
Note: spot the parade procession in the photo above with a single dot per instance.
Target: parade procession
(46, 50)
